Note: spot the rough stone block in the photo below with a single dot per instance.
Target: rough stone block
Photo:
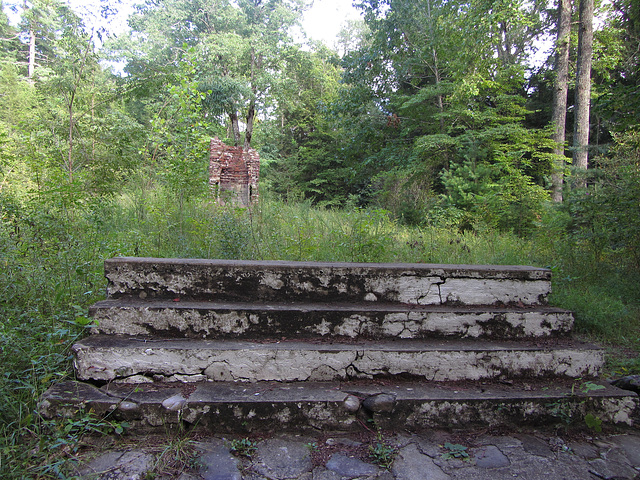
(108, 358)
(417, 284)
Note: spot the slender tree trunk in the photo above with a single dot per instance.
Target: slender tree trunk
(248, 134)
(436, 70)
(439, 97)
(583, 87)
(31, 61)
(70, 152)
(93, 116)
(71, 99)
(251, 112)
(559, 115)
(235, 127)
(32, 54)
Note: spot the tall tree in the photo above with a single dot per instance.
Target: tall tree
(621, 103)
(442, 84)
(73, 62)
(583, 86)
(304, 138)
(239, 49)
(559, 113)
(38, 21)
(9, 43)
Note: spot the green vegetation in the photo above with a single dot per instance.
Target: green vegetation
(568, 411)
(426, 138)
(455, 451)
(243, 447)
(176, 455)
(382, 452)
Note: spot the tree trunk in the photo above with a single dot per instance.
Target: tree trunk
(235, 127)
(70, 151)
(559, 115)
(436, 70)
(583, 87)
(251, 112)
(32, 54)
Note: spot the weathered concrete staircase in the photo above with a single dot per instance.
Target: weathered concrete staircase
(242, 345)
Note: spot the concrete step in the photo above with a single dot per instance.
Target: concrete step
(273, 406)
(110, 357)
(369, 320)
(245, 281)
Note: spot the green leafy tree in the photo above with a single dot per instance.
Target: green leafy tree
(441, 83)
(9, 42)
(617, 67)
(605, 215)
(181, 137)
(239, 48)
(302, 133)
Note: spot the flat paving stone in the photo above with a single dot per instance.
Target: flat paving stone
(613, 470)
(119, 465)
(504, 443)
(325, 474)
(585, 450)
(350, 467)
(283, 458)
(630, 444)
(411, 464)
(219, 464)
(535, 446)
(491, 457)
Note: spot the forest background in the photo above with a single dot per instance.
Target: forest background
(425, 134)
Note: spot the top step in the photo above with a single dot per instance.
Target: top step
(238, 280)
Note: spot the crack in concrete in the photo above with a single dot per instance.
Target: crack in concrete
(351, 367)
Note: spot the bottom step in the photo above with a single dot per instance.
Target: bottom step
(239, 408)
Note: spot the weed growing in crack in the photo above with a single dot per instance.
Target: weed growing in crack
(566, 409)
(562, 410)
(455, 451)
(593, 422)
(382, 453)
(242, 447)
(180, 453)
(588, 387)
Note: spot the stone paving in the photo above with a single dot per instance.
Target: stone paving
(434, 455)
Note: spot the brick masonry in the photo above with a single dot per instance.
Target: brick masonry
(233, 173)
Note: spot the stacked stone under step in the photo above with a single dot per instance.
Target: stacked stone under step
(244, 345)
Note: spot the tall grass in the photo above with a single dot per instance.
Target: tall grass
(52, 253)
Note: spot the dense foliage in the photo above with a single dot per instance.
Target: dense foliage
(425, 135)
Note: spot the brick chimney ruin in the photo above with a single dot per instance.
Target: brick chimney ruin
(233, 173)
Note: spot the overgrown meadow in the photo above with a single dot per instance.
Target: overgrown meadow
(52, 248)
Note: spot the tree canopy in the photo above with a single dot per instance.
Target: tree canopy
(430, 109)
